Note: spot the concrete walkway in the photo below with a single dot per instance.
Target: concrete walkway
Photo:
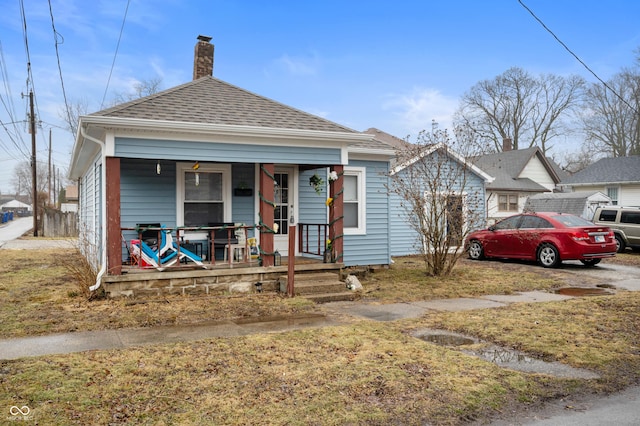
(125, 338)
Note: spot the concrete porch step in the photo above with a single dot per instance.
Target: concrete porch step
(319, 287)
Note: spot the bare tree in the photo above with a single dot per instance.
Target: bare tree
(140, 89)
(576, 161)
(515, 105)
(22, 179)
(72, 114)
(611, 119)
(441, 199)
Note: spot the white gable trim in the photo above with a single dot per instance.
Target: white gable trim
(460, 159)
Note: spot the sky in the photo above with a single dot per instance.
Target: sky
(394, 65)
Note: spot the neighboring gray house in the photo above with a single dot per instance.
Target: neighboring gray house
(209, 152)
(581, 204)
(462, 198)
(518, 175)
(618, 178)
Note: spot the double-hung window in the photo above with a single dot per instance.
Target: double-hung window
(354, 184)
(508, 202)
(612, 192)
(204, 194)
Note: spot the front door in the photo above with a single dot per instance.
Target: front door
(284, 197)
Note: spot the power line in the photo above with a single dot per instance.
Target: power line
(116, 53)
(577, 58)
(9, 105)
(55, 37)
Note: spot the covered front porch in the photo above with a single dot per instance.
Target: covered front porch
(202, 212)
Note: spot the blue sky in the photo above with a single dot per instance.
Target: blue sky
(394, 65)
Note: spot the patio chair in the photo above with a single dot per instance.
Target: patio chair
(166, 255)
(168, 245)
(152, 257)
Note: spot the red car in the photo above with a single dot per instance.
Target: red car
(548, 238)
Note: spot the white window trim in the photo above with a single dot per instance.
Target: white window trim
(361, 175)
(181, 168)
(617, 188)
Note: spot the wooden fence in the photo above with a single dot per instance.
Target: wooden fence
(55, 223)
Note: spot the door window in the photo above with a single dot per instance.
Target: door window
(281, 199)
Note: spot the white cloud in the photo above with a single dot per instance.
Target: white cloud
(416, 109)
(299, 65)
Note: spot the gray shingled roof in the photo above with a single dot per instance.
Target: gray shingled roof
(565, 202)
(209, 100)
(506, 166)
(608, 170)
(387, 138)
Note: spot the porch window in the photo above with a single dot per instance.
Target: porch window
(205, 194)
(354, 200)
(508, 202)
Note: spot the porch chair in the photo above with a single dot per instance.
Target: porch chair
(239, 247)
(221, 238)
(184, 254)
(167, 253)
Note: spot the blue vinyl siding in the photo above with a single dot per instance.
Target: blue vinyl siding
(243, 207)
(224, 152)
(312, 206)
(406, 241)
(145, 196)
(373, 247)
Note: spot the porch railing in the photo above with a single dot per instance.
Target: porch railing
(312, 238)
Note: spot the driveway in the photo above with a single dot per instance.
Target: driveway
(11, 232)
(15, 229)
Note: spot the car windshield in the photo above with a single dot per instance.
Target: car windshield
(572, 221)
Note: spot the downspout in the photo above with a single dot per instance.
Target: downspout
(103, 207)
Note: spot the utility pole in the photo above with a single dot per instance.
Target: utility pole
(33, 165)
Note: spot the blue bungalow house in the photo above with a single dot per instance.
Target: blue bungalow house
(455, 192)
(207, 157)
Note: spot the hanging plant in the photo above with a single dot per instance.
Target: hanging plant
(317, 183)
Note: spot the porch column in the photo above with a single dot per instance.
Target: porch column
(336, 214)
(266, 194)
(114, 239)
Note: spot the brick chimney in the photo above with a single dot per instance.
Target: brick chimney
(203, 58)
(506, 144)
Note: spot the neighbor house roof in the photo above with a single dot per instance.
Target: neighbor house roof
(209, 100)
(608, 170)
(382, 142)
(15, 204)
(387, 138)
(507, 166)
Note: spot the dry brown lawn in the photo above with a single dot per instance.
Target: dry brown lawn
(362, 372)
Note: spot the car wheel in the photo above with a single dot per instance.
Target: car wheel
(620, 244)
(475, 250)
(548, 256)
(590, 262)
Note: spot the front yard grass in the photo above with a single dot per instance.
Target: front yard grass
(363, 372)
